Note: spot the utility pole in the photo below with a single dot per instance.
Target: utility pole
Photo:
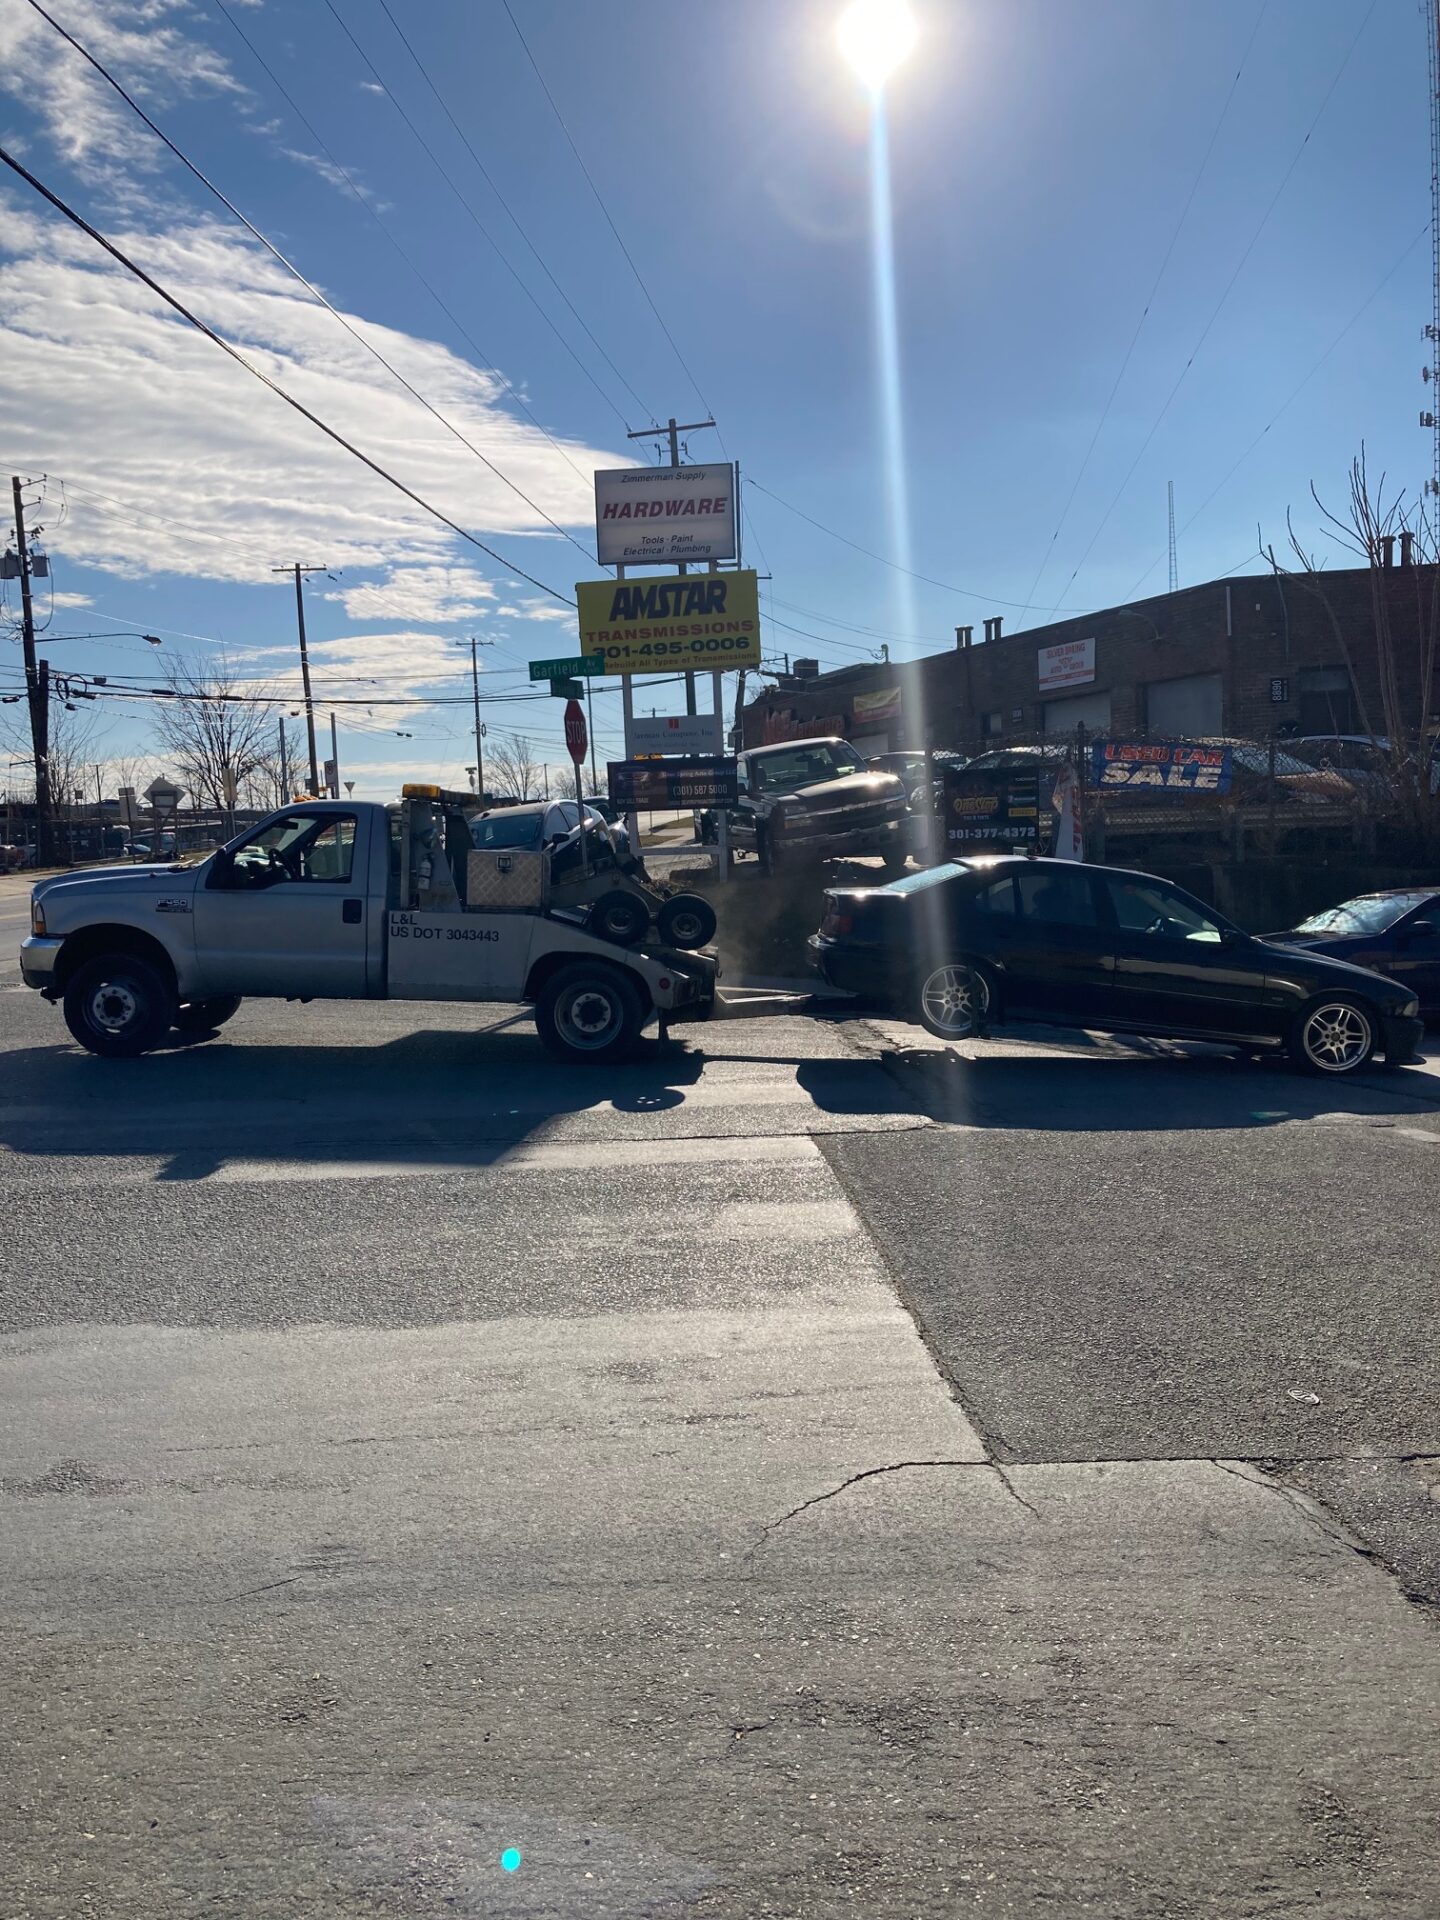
(334, 761)
(479, 731)
(675, 430)
(37, 689)
(300, 571)
(284, 766)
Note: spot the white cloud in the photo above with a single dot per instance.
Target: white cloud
(140, 42)
(536, 610)
(72, 600)
(90, 360)
(436, 595)
(373, 86)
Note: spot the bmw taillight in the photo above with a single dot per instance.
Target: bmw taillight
(838, 921)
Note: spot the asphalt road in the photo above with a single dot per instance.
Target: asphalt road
(799, 1474)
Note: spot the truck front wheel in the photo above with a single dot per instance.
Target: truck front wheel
(202, 1017)
(118, 1006)
(589, 1012)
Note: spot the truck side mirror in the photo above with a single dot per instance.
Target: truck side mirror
(1421, 930)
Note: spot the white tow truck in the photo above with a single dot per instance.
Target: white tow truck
(350, 900)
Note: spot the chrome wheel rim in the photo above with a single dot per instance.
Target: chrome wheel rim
(588, 1017)
(1336, 1038)
(112, 1006)
(949, 997)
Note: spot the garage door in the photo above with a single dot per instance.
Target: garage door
(1192, 707)
(1088, 710)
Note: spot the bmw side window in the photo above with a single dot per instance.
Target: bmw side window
(1157, 911)
(1057, 899)
(995, 902)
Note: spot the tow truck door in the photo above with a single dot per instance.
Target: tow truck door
(285, 913)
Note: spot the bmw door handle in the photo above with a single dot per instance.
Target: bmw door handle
(351, 911)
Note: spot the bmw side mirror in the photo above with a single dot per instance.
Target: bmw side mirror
(1421, 930)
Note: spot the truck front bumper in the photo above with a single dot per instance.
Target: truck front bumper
(37, 962)
(888, 837)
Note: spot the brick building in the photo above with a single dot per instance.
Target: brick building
(1235, 657)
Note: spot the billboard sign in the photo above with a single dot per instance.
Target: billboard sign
(661, 516)
(697, 620)
(1070, 664)
(994, 810)
(1161, 766)
(876, 709)
(664, 784)
(676, 733)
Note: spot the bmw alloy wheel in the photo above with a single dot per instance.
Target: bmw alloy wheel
(949, 998)
(1337, 1037)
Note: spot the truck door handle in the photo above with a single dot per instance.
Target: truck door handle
(350, 912)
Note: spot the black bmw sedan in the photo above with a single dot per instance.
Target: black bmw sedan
(1101, 947)
(1395, 933)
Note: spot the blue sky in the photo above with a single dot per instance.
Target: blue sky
(1042, 155)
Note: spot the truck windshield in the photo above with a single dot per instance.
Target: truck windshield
(507, 830)
(804, 766)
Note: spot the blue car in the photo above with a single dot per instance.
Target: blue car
(1396, 933)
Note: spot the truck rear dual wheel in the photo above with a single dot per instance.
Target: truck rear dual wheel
(620, 917)
(119, 1006)
(590, 1012)
(686, 921)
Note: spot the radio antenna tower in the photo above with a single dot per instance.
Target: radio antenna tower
(1174, 570)
(1431, 416)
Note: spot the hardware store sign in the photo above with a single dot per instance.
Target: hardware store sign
(657, 516)
(654, 626)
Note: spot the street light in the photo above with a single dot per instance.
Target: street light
(876, 36)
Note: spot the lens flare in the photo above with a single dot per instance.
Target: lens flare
(875, 36)
(887, 349)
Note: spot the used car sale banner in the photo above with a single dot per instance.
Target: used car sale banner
(1161, 766)
(694, 620)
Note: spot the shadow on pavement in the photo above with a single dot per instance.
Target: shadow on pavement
(1164, 1092)
(446, 1096)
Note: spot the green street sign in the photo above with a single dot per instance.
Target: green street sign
(567, 689)
(581, 663)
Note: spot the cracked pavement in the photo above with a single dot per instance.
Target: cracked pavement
(765, 1481)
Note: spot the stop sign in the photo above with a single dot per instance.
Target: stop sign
(576, 738)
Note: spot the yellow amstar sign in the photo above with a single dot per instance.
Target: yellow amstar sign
(653, 626)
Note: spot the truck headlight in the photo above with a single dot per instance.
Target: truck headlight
(1410, 1009)
(37, 919)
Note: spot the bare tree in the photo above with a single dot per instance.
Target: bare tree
(1404, 722)
(73, 738)
(217, 730)
(512, 769)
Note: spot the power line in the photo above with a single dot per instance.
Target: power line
(308, 285)
(210, 334)
(1149, 302)
(600, 202)
(478, 223)
(965, 593)
(1225, 295)
(515, 221)
(1285, 406)
(359, 194)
